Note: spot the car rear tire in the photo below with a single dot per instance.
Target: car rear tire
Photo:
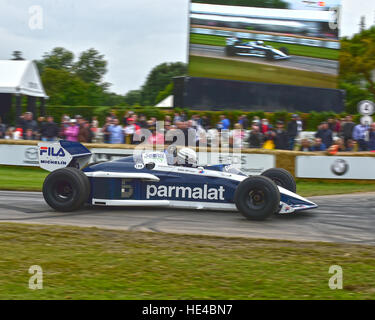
(66, 189)
(270, 56)
(284, 50)
(282, 178)
(257, 198)
(230, 51)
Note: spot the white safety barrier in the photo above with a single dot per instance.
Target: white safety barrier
(326, 167)
(252, 164)
(19, 155)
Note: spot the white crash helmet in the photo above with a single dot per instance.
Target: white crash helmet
(187, 156)
(260, 43)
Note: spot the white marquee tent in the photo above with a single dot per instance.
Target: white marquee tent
(20, 77)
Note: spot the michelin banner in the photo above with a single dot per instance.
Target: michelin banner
(324, 167)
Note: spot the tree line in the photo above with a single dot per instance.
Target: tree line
(357, 67)
(73, 82)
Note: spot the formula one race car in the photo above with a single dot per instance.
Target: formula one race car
(235, 47)
(148, 179)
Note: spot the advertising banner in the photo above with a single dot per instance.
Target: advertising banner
(335, 167)
(18, 155)
(251, 164)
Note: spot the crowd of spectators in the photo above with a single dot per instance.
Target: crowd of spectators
(341, 135)
(333, 135)
(46, 129)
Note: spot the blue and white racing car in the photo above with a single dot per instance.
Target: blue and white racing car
(236, 47)
(149, 179)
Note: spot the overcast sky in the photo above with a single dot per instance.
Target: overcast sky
(352, 10)
(134, 36)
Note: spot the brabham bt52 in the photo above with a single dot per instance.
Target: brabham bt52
(156, 179)
(235, 47)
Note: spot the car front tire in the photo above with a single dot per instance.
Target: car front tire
(257, 198)
(66, 189)
(284, 50)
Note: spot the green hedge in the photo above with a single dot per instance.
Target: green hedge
(311, 120)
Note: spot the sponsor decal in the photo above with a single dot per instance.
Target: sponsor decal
(31, 154)
(186, 170)
(52, 152)
(158, 157)
(194, 193)
(56, 162)
(139, 166)
(340, 167)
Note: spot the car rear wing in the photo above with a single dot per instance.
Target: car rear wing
(62, 154)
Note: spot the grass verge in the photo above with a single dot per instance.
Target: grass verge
(21, 178)
(84, 263)
(31, 179)
(294, 49)
(257, 72)
(322, 188)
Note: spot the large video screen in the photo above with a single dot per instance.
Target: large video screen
(292, 42)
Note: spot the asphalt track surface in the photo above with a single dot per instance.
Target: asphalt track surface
(343, 219)
(326, 66)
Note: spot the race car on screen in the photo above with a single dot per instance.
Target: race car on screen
(235, 47)
(149, 179)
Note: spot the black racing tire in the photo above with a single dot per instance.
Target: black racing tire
(284, 50)
(66, 189)
(282, 178)
(87, 181)
(270, 55)
(257, 198)
(230, 51)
